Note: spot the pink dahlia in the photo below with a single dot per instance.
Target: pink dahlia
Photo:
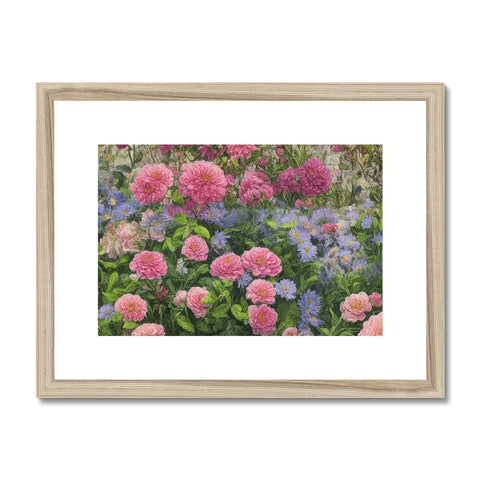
(195, 248)
(288, 180)
(329, 228)
(262, 262)
(194, 301)
(373, 327)
(262, 319)
(149, 330)
(355, 306)
(376, 299)
(152, 183)
(255, 187)
(180, 297)
(230, 179)
(149, 265)
(240, 151)
(132, 307)
(228, 266)
(314, 177)
(261, 291)
(203, 181)
(290, 332)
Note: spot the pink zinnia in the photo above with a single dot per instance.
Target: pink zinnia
(180, 297)
(373, 327)
(132, 307)
(203, 181)
(195, 248)
(288, 179)
(149, 330)
(261, 291)
(194, 301)
(290, 332)
(152, 183)
(355, 306)
(230, 179)
(255, 187)
(376, 299)
(280, 151)
(262, 319)
(262, 162)
(314, 177)
(228, 266)
(149, 265)
(329, 228)
(262, 262)
(240, 151)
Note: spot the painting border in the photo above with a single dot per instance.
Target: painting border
(434, 385)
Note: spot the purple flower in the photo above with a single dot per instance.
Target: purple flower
(298, 236)
(359, 265)
(106, 311)
(307, 251)
(123, 211)
(104, 212)
(309, 304)
(219, 240)
(378, 237)
(115, 198)
(353, 215)
(348, 241)
(286, 289)
(367, 222)
(245, 280)
(369, 204)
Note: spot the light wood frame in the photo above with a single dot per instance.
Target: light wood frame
(432, 387)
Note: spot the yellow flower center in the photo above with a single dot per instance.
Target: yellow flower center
(261, 317)
(359, 267)
(112, 201)
(307, 250)
(296, 234)
(228, 260)
(260, 261)
(206, 177)
(357, 305)
(310, 301)
(345, 258)
(285, 287)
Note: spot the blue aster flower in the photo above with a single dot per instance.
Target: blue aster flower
(104, 212)
(298, 236)
(261, 215)
(345, 257)
(348, 241)
(158, 223)
(323, 213)
(367, 222)
(214, 214)
(245, 280)
(353, 215)
(307, 251)
(219, 240)
(378, 237)
(106, 311)
(286, 289)
(123, 210)
(369, 204)
(115, 198)
(309, 304)
(359, 265)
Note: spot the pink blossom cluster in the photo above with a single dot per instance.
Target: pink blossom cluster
(194, 301)
(228, 266)
(262, 262)
(240, 151)
(312, 178)
(123, 238)
(152, 183)
(149, 330)
(261, 291)
(262, 319)
(195, 248)
(355, 307)
(255, 187)
(132, 307)
(373, 327)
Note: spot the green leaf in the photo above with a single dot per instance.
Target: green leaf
(179, 232)
(221, 310)
(185, 323)
(202, 269)
(202, 231)
(180, 218)
(112, 281)
(209, 299)
(325, 331)
(168, 244)
(178, 199)
(227, 282)
(238, 313)
(129, 325)
(346, 333)
(123, 168)
(202, 327)
(272, 224)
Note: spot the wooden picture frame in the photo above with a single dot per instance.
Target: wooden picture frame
(430, 93)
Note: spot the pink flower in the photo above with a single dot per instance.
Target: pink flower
(124, 238)
(194, 301)
(149, 265)
(203, 181)
(329, 228)
(172, 210)
(228, 266)
(262, 162)
(283, 159)
(149, 330)
(337, 148)
(180, 297)
(240, 151)
(207, 152)
(376, 299)
(262, 319)
(132, 307)
(255, 187)
(230, 179)
(195, 248)
(161, 292)
(152, 183)
(261, 291)
(262, 262)
(355, 306)
(290, 332)
(277, 188)
(134, 277)
(314, 177)
(289, 180)
(279, 152)
(373, 327)
(121, 147)
(166, 148)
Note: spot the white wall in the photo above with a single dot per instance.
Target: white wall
(237, 41)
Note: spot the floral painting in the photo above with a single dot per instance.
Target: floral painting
(277, 240)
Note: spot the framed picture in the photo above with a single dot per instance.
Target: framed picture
(293, 210)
